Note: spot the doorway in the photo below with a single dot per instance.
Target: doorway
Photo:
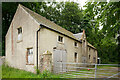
(59, 58)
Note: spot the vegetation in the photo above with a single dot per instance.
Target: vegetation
(73, 18)
(9, 72)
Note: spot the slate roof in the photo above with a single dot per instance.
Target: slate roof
(91, 45)
(78, 35)
(42, 20)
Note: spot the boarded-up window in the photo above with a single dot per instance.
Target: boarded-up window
(60, 39)
(30, 56)
(75, 57)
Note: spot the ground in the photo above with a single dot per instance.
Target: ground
(9, 72)
(102, 72)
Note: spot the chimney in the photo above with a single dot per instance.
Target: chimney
(83, 31)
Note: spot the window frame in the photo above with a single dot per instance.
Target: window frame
(89, 48)
(27, 54)
(75, 57)
(19, 30)
(89, 56)
(75, 44)
(60, 39)
(19, 34)
(94, 59)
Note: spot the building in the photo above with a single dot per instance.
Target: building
(34, 41)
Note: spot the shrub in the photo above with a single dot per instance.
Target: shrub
(37, 70)
(46, 74)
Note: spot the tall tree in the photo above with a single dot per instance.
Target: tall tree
(106, 15)
(8, 11)
(72, 17)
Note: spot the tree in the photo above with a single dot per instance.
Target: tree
(71, 17)
(8, 11)
(106, 15)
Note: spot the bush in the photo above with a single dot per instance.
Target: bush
(46, 74)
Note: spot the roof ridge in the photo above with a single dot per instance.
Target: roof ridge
(78, 33)
(40, 19)
(27, 9)
(90, 45)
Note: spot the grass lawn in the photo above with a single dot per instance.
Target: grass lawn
(9, 72)
(103, 71)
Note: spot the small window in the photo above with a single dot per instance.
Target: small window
(60, 39)
(30, 51)
(29, 56)
(20, 34)
(94, 59)
(89, 49)
(20, 30)
(89, 56)
(84, 40)
(75, 57)
(75, 44)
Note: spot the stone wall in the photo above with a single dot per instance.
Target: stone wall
(46, 61)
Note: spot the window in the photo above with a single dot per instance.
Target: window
(29, 56)
(20, 34)
(89, 49)
(75, 57)
(75, 44)
(60, 39)
(84, 40)
(83, 59)
(20, 30)
(89, 56)
(94, 59)
(30, 51)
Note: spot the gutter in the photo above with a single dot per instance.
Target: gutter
(37, 44)
(41, 26)
(59, 32)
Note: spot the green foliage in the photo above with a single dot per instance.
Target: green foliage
(106, 15)
(71, 17)
(46, 73)
(37, 70)
(0, 48)
(9, 72)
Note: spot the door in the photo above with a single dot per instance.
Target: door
(59, 56)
